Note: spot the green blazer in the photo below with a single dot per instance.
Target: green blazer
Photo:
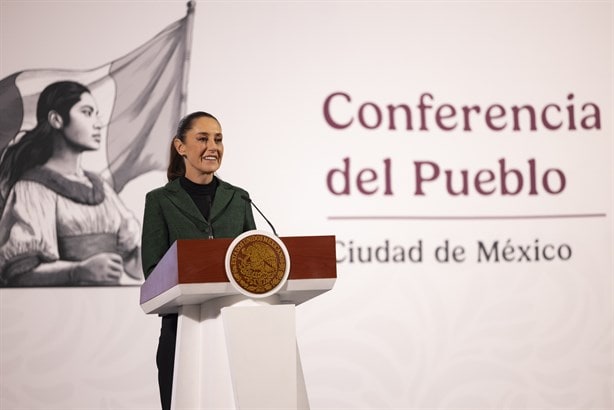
(171, 214)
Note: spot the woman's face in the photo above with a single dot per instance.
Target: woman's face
(83, 130)
(202, 149)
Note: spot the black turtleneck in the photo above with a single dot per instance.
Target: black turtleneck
(202, 195)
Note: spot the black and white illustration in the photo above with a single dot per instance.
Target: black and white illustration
(62, 225)
(63, 222)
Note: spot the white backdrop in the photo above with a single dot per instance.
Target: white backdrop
(467, 331)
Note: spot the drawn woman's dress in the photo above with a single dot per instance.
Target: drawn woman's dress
(49, 217)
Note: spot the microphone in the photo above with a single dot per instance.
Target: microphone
(248, 199)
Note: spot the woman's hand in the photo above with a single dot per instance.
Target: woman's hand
(105, 268)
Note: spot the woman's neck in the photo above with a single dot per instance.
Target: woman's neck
(198, 178)
(65, 163)
(65, 159)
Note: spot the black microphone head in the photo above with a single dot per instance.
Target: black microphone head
(247, 198)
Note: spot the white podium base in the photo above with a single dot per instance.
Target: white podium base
(238, 353)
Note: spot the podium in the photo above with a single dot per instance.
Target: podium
(235, 351)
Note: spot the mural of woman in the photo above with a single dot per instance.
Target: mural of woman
(62, 225)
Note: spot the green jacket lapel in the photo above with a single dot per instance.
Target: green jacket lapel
(223, 196)
(182, 201)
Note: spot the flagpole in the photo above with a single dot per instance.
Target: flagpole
(191, 5)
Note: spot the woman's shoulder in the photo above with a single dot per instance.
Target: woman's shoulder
(174, 186)
(170, 186)
(31, 191)
(226, 185)
(90, 193)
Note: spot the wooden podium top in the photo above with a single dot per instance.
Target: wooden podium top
(193, 271)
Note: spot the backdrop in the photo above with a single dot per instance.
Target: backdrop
(461, 153)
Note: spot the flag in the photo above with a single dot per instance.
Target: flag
(140, 96)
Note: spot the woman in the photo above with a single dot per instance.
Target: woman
(62, 225)
(193, 204)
